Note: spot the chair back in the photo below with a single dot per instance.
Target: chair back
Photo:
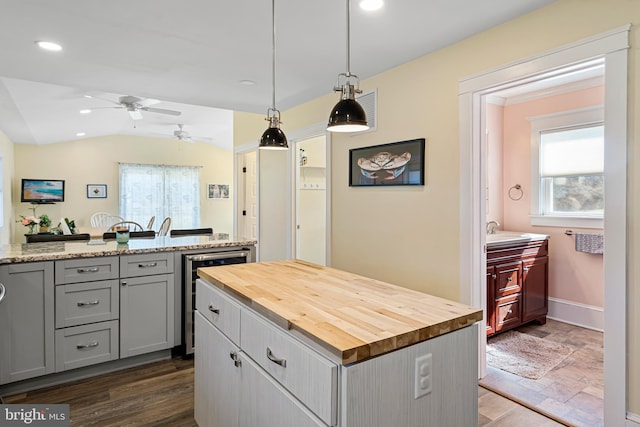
(164, 227)
(192, 232)
(151, 221)
(104, 219)
(145, 234)
(131, 225)
(40, 238)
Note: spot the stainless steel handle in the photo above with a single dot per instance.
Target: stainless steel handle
(86, 303)
(88, 270)
(494, 276)
(509, 311)
(236, 361)
(90, 345)
(123, 283)
(214, 310)
(217, 255)
(509, 279)
(3, 292)
(148, 265)
(270, 356)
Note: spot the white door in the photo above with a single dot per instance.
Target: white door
(247, 214)
(311, 199)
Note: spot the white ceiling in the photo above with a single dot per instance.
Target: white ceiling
(192, 55)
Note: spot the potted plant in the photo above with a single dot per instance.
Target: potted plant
(29, 221)
(45, 223)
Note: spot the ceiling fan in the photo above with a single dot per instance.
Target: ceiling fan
(135, 105)
(183, 135)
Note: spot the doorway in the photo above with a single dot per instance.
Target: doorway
(311, 199)
(612, 47)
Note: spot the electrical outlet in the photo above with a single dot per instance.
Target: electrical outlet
(423, 376)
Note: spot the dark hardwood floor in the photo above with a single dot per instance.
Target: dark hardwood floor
(158, 394)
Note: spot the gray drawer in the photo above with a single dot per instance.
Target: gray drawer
(86, 345)
(218, 309)
(86, 270)
(146, 264)
(90, 302)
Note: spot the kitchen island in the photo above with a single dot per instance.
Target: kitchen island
(290, 343)
(74, 309)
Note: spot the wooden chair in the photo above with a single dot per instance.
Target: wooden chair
(192, 232)
(145, 234)
(164, 227)
(132, 225)
(41, 238)
(151, 221)
(104, 219)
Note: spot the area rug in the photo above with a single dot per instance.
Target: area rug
(525, 355)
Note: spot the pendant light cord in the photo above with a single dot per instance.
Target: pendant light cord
(273, 59)
(348, 40)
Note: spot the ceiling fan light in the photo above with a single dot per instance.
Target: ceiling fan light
(50, 46)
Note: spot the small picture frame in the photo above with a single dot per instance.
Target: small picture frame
(217, 191)
(96, 191)
(398, 163)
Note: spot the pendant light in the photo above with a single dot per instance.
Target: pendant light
(273, 138)
(347, 115)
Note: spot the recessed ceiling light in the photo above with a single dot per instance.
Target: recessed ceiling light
(54, 47)
(80, 134)
(371, 4)
(86, 111)
(247, 82)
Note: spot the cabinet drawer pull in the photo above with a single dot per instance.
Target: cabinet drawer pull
(86, 303)
(236, 361)
(509, 311)
(214, 310)
(270, 356)
(148, 265)
(509, 279)
(90, 345)
(494, 276)
(88, 270)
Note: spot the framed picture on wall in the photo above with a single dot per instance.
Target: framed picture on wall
(96, 191)
(397, 163)
(217, 191)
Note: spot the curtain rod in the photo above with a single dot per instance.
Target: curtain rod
(156, 164)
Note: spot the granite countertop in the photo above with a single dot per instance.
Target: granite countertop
(351, 316)
(29, 252)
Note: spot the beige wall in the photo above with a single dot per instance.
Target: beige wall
(573, 276)
(409, 235)
(95, 161)
(6, 153)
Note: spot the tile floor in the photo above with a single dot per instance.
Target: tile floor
(573, 391)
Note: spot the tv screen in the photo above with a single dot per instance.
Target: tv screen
(42, 190)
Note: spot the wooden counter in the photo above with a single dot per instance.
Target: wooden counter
(352, 316)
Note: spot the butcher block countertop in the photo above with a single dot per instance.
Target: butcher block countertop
(352, 316)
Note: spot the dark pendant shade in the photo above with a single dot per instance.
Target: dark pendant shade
(347, 116)
(274, 139)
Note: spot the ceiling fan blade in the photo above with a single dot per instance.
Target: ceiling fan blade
(135, 114)
(103, 99)
(161, 111)
(147, 102)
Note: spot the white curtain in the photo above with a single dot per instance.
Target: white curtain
(161, 191)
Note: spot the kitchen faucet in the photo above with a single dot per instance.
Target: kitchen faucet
(492, 226)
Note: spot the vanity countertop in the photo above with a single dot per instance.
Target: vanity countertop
(502, 237)
(31, 252)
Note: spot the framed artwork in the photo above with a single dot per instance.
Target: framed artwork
(217, 191)
(397, 163)
(96, 191)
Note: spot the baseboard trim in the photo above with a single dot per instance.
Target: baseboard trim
(583, 315)
(633, 420)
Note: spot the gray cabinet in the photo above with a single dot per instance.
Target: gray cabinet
(146, 303)
(26, 321)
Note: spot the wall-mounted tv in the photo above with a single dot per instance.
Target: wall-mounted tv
(42, 190)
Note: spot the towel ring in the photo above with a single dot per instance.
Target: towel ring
(515, 192)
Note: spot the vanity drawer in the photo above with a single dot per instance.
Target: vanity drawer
(86, 270)
(508, 312)
(307, 375)
(90, 302)
(86, 345)
(218, 309)
(508, 279)
(146, 264)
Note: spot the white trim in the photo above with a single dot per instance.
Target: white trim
(633, 420)
(571, 87)
(558, 221)
(613, 45)
(575, 313)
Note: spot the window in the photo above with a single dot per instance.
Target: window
(161, 191)
(568, 169)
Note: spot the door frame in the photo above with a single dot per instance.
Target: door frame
(239, 185)
(318, 129)
(613, 47)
